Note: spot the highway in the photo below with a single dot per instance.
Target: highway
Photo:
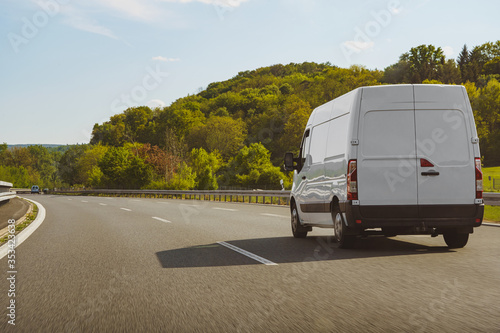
(154, 265)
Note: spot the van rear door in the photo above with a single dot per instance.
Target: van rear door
(445, 156)
(386, 155)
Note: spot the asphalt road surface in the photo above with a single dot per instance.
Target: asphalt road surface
(12, 209)
(151, 265)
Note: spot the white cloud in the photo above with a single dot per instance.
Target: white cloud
(137, 9)
(395, 11)
(358, 46)
(156, 103)
(448, 51)
(160, 58)
(77, 19)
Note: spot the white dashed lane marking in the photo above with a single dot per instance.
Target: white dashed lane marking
(248, 254)
(225, 209)
(126, 209)
(161, 220)
(275, 215)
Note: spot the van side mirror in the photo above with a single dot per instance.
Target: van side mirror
(289, 162)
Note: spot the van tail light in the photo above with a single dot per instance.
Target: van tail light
(479, 179)
(352, 180)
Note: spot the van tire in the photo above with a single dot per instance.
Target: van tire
(298, 230)
(340, 235)
(455, 240)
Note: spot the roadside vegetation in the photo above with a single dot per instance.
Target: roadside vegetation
(234, 133)
(492, 213)
(491, 175)
(21, 226)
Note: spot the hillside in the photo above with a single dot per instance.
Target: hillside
(234, 133)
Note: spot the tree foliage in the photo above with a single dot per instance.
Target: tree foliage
(234, 133)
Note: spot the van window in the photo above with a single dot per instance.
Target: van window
(442, 136)
(318, 142)
(337, 136)
(388, 133)
(304, 148)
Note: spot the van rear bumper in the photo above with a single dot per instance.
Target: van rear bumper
(431, 216)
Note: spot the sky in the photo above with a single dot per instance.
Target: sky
(68, 64)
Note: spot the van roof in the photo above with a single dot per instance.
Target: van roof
(421, 92)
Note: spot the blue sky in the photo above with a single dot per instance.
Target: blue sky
(68, 64)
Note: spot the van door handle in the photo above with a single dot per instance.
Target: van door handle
(430, 173)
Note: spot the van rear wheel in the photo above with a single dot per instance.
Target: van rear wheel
(340, 236)
(298, 230)
(455, 240)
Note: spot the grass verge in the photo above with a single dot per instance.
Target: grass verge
(21, 226)
(492, 213)
(487, 183)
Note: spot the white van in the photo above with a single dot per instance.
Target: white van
(392, 160)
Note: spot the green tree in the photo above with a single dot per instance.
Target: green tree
(184, 179)
(122, 169)
(463, 62)
(449, 73)
(252, 167)
(223, 134)
(87, 169)
(424, 62)
(205, 166)
(487, 114)
(68, 168)
(43, 162)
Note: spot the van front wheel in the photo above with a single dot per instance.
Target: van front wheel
(340, 231)
(455, 240)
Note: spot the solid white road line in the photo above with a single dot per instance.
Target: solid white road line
(275, 215)
(491, 224)
(161, 220)
(126, 209)
(225, 209)
(23, 235)
(248, 254)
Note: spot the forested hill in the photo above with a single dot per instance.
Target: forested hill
(269, 105)
(234, 133)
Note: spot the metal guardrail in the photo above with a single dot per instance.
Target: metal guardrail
(491, 198)
(266, 197)
(5, 193)
(256, 196)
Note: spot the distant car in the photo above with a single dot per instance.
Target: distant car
(35, 189)
(45, 190)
